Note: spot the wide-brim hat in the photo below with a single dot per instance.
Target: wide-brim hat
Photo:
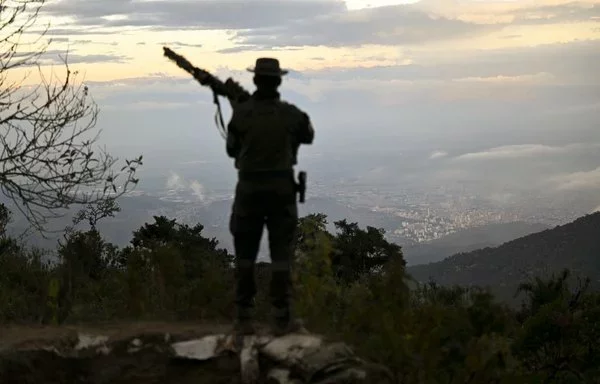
(267, 66)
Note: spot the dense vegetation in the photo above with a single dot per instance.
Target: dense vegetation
(575, 246)
(351, 284)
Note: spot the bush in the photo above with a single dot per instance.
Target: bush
(425, 334)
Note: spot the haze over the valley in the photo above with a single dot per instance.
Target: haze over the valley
(431, 116)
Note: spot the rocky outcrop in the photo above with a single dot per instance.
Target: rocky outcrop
(176, 354)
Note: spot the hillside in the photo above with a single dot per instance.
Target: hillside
(575, 246)
(467, 240)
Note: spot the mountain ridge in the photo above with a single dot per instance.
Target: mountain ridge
(469, 239)
(574, 246)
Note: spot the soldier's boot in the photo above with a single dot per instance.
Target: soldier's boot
(244, 325)
(282, 328)
(284, 323)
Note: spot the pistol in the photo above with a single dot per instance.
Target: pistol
(301, 185)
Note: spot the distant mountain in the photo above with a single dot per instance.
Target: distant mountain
(575, 246)
(467, 240)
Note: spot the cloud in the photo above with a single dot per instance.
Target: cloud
(157, 92)
(351, 117)
(97, 58)
(180, 44)
(508, 37)
(85, 42)
(264, 24)
(81, 41)
(149, 105)
(576, 181)
(60, 39)
(525, 150)
(405, 24)
(82, 30)
(438, 155)
(560, 13)
(271, 23)
(57, 56)
(569, 62)
(198, 14)
(389, 25)
(540, 80)
(247, 48)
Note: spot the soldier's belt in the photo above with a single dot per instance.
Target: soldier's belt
(279, 174)
(265, 175)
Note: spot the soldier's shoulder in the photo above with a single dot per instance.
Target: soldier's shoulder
(292, 108)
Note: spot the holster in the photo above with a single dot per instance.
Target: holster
(301, 186)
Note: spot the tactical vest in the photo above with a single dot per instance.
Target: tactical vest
(267, 131)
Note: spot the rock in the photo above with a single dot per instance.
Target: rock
(280, 376)
(146, 356)
(200, 349)
(290, 348)
(249, 365)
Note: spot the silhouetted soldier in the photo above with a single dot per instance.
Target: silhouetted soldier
(264, 135)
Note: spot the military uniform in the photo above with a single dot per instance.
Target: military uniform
(264, 135)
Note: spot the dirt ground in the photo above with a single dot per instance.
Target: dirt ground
(25, 355)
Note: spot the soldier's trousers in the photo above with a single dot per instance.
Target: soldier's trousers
(261, 201)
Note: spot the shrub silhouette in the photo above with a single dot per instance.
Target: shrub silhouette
(426, 333)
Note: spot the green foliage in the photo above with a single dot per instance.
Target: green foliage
(359, 252)
(23, 283)
(558, 339)
(351, 285)
(313, 275)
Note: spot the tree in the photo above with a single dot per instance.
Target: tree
(558, 338)
(186, 269)
(48, 159)
(85, 257)
(190, 241)
(310, 227)
(541, 292)
(93, 213)
(5, 217)
(360, 252)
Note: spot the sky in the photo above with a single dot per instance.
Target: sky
(505, 92)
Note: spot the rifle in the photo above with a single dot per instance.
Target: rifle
(230, 89)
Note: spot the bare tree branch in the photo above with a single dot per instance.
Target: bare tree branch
(49, 159)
